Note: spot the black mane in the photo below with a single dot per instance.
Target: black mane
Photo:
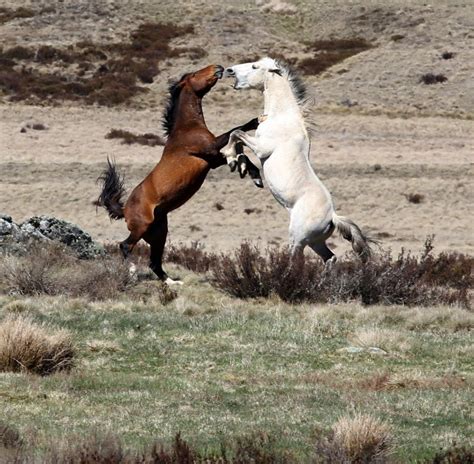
(297, 84)
(169, 113)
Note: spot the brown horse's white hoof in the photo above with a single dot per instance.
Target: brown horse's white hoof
(170, 281)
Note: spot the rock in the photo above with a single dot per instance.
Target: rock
(359, 349)
(45, 227)
(15, 238)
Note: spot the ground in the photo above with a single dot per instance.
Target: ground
(206, 362)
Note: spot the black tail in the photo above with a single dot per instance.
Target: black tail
(112, 191)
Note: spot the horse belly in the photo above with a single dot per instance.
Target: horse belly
(285, 179)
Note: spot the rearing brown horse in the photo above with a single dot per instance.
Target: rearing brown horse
(190, 152)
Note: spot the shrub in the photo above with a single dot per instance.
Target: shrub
(25, 346)
(415, 198)
(453, 455)
(330, 52)
(105, 74)
(192, 257)
(129, 138)
(431, 78)
(358, 439)
(407, 280)
(7, 14)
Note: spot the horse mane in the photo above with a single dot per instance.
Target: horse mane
(169, 113)
(297, 85)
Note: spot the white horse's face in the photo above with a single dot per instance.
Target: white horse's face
(251, 75)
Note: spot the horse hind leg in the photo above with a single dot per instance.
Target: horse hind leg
(155, 236)
(324, 252)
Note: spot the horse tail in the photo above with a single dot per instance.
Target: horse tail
(112, 191)
(349, 230)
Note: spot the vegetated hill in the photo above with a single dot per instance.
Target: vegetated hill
(407, 42)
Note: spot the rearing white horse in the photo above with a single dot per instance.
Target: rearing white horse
(282, 144)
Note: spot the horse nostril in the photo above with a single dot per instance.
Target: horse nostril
(229, 72)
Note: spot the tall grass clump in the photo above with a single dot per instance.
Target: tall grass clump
(48, 268)
(406, 280)
(26, 346)
(354, 440)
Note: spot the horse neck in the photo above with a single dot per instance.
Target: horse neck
(279, 97)
(188, 110)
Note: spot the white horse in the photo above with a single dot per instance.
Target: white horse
(282, 144)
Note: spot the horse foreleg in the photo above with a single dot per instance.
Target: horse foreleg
(230, 151)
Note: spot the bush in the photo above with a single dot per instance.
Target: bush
(192, 257)
(129, 138)
(431, 78)
(406, 280)
(453, 455)
(25, 346)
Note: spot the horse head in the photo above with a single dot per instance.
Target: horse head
(252, 75)
(203, 80)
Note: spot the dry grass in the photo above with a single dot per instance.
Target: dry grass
(26, 346)
(358, 439)
(56, 271)
(8, 14)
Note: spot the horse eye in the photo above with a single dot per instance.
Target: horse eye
(254, 66)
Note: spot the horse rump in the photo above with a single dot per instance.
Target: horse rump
(350, 231)
(112, 191)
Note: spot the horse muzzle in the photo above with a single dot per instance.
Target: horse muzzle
(219, 72)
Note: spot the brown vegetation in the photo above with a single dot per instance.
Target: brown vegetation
(25, 346)
(431, 78)
(415, 198)
(407, 279)
(327, 53)
(105, 74)
(128, 138)
(7, 14)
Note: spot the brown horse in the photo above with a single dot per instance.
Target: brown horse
(190, 152)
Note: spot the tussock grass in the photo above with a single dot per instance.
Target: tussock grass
(360, 439)
(26, 346)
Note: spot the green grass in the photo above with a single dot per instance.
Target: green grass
(214, 368)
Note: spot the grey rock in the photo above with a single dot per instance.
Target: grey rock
(45, 227)
(15, 238)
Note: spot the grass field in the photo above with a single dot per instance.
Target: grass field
(215, 368)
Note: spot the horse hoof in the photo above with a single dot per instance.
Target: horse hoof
(170, 281)
(232, 166)
(258, 183)
(132, 270)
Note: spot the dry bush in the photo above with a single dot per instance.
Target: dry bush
(128, 138)
(415, 198)
(448, 55)
(51, 269)
(453, 455)
(26, 346)
(431, 78)
(356, 440)
(406, 280)
(7, 14)
(110, 450)
(105, 74)
(9, 437)
(330, 52)
(192, 257)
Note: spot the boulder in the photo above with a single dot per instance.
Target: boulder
(14, 238)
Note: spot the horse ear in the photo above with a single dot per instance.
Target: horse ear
(276, 71)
